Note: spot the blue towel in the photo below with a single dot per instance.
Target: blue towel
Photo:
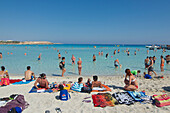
(34, 90)
(21, 82)
(137, 95)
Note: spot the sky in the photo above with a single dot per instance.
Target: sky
(86, 21)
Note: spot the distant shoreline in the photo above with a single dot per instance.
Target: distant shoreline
(27, 43)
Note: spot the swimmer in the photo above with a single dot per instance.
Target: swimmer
(102, 53)
(162, 63)
(59, 56)
(146, 62)
(128, 53)
(135, 53)
(94, 58)
(79, 63)
(39, 57)
(25, 54)
(73, 59)
(116, 63)
(0, 55)
(114, 52)
(154, 59)
(118, 51)
(107, 55)
(58, 50)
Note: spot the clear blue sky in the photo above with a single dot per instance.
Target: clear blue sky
(86, 21)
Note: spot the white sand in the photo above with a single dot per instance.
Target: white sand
(40, 102)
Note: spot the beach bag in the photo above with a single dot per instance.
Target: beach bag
(5, 81)
(86, 89)
(64, 95)
(162, 100)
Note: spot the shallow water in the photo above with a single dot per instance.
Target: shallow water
(17, 62)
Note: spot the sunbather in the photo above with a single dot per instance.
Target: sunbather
(78, 85)
(96, 83)
(43, 83)
(29, 75)
(131, 84)
(3, 73)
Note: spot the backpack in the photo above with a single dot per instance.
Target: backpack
(64, 95)
(61, 65)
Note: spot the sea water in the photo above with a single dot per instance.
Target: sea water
(17, 62)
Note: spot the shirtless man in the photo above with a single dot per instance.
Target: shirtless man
(146, 62)
(94, 57)
(135, 53)
(59, 56)
(96, 83)
(102, 53)
(147, 51)
(0, 55)
(99, 53)
(73, 59)
(162, 63)
(118, 51)
(116, 63)
(150, 67)
(29, 75)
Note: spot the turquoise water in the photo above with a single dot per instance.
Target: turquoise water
(17, 62)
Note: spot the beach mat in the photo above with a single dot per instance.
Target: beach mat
(123, 98)
(103, 100)
(40, 90)
(162, 100)
(106, 88)
(14, 80)
(21, 82)
(137, 96)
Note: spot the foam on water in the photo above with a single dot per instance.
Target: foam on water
(16, 64)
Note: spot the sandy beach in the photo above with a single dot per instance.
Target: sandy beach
(40, 102)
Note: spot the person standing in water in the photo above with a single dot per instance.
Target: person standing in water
(0, 55)
(128, 53)
(114, 52)
(107, 55)
(116, 63)
(62, 66)
(59, 56)
(154, 59)
(79, 66)
(102, 53)
(99, 53)
(39, 57)
(73, 59)
(94, 58)
(146, 62)
(162, 63)
(135, 53)
(147, 51)
(118, 51)
(150, 67)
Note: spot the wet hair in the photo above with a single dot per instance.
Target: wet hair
(80, 79)
(127, 71)
(42, 75)
(95, 78)
(28, 67)
(2, 68)
(147, 57)
(161, 56)
(63, 58)
(138, 71)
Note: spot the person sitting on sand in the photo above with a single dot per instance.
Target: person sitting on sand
(136, 72)
(77, 86)
(29, 75)
(95, 82)
(43, 83)
(88, 83)
(3, 73)
(130, 81)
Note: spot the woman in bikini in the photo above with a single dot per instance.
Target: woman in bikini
(130, 81)
(79, 66)
(162, 63)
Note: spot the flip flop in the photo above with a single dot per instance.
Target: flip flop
(58, 110)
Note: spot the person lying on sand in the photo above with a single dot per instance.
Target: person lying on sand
(130, 81)
(96, 83)
(43, 83)
(29, 75)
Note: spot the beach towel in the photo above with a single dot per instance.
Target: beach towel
(19, 101)
(103, 89)
(4, 81)
(162, 100)
(40, 90)
(14, 80)
(22, 82)
(123, 98)
(139, 96)
(103, 100)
